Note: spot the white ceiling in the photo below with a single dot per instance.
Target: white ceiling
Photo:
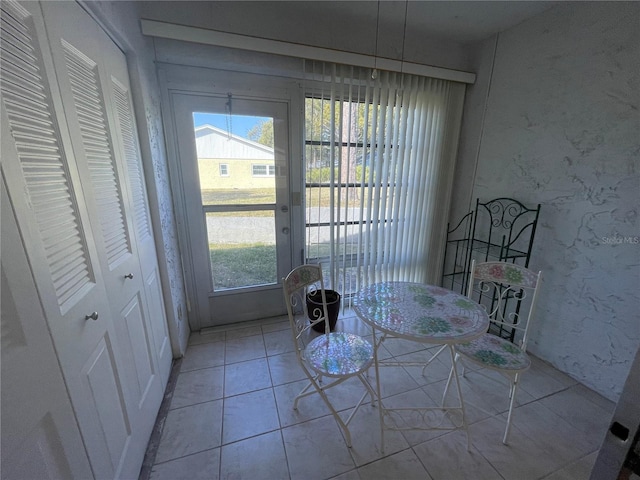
(458, 21)
(469, 21)
(462, 22)
(430, 31)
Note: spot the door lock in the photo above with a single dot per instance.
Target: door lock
(285, 230)
(284, 208)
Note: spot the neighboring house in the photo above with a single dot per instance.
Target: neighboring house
(229, 161)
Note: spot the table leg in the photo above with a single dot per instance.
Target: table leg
(378, 390)
(454, 371)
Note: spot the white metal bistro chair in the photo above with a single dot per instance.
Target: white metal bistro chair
(509, 292)
(338, 356)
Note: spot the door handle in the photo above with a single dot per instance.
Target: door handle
(284, 208)
(285, 230)
(93, 316)
(129, 275)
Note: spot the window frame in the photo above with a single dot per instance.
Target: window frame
(270, 170)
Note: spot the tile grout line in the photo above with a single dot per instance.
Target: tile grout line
(163, 412)
(224, 396)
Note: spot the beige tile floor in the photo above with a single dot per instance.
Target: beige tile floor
(231, 417)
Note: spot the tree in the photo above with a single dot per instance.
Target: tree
(262, 133)
(349, 134)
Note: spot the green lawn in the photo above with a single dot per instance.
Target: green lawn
(238, 197)
(242, 265)
(315, 197)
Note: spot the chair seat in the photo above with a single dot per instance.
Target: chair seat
(494, 352)
(339, 354)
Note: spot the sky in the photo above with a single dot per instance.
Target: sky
(240, 124)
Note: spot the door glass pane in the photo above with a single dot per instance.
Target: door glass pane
(242, 248)
(235, 159)
(236, 167)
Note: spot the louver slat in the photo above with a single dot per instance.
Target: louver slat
(30, 119)
(132, 155)
(87, 98)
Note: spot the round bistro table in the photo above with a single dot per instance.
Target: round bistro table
(425, 314)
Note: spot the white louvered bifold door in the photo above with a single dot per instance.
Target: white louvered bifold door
(93, 79)
(144, 245)
(40, 436)
(45, 191)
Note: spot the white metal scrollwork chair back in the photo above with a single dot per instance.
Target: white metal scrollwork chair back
(509, 293)
(335, 355)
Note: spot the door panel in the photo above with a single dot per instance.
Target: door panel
(236, 204)
(40, 436)
(32, 127)
(95, 142)
(132, 156)
(100, 379)
(153, 291)
(133, 319)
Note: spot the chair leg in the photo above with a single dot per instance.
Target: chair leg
(301, 394)
(355, 409)
(512, 394)
(339, 420)
(372, 394)
(320, 389)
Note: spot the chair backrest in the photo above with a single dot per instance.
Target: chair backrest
(508, 292)
(303, 280)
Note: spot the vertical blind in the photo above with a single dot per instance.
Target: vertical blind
(379, 158)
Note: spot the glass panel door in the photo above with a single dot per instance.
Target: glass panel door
(233, 155)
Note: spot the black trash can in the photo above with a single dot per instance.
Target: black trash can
(314, 302)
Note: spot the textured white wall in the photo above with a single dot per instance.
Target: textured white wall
(562, 129)
(475, 101)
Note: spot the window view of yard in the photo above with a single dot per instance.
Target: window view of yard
(242, 246)
(238, 264)
(243, 264)
(238, 169)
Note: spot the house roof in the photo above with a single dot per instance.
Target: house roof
(213, 142)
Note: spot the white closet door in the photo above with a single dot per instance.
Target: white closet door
(40, 436)
(127, 140)
(87, 63)
(44, 189)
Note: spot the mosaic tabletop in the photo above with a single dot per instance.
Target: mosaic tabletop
(424, 313)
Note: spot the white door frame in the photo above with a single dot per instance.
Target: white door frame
(192, 80)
